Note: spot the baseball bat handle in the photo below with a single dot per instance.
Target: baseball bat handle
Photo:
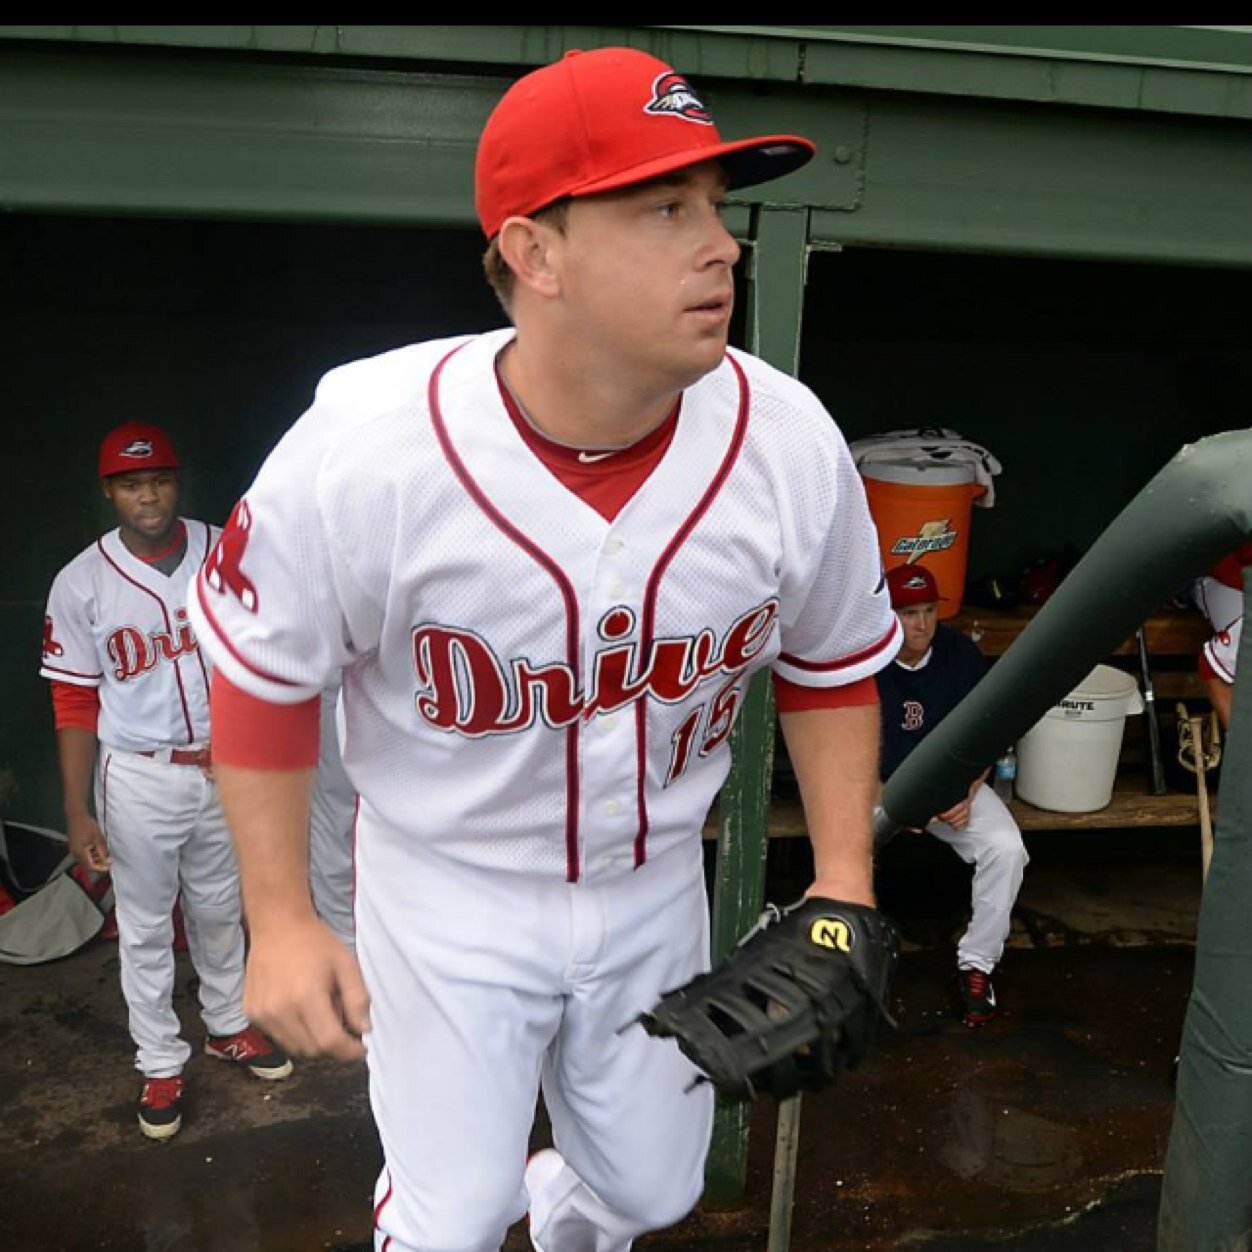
(1155, 755)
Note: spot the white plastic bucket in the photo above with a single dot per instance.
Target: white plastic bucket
(1068, 760)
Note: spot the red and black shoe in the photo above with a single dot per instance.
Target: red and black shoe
(251, 1049)
(978, 997)
(160, 1107)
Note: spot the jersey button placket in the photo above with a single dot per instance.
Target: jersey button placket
(609, 752)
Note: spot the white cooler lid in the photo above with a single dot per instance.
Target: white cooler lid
(917, 473)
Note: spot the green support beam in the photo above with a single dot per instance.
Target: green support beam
(775, 309)
(90, 130)
(1199, 70)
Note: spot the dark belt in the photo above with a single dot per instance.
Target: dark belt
(185, 756)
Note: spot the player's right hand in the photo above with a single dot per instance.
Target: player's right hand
(88, 845)
(305, 989)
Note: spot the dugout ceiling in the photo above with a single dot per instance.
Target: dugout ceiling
(1113, 142)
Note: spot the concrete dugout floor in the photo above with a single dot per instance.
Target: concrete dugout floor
(1043, 1131)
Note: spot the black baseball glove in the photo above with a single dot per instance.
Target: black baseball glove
(797, 1002)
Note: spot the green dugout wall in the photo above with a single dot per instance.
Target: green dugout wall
(199, 220)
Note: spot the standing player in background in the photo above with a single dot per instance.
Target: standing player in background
(332, 817)
(547, 561)
(933, 672)
(1219, 594)
(131, 698)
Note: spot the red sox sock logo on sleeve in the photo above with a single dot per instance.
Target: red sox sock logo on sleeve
(50, 645)
(223, 570)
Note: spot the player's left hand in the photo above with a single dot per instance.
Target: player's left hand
(957, 816)
(306, 990)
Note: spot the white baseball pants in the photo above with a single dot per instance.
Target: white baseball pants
(166, 833)
(485, 986)
(992, 844)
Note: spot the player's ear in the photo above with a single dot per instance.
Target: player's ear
(527, 248)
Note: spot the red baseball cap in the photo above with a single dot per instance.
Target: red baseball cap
(136, 446)
(596, 121)
(912, 584)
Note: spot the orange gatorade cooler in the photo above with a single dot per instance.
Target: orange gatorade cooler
(922, 512)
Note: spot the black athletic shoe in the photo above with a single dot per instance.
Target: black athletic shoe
(978, 997)
(160, 1107)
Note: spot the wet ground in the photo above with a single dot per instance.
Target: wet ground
(1043, 1132)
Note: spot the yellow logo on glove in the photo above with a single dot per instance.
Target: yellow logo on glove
(832, 932)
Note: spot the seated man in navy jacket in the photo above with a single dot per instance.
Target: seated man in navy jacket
(933, 671)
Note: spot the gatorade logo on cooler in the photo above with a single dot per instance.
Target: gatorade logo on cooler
(931, 537)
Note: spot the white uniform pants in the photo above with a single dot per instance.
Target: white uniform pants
(166, 834)
(484, 985)
(992, 844)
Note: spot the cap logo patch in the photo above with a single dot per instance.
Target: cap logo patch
(672, 96)
(138, 449)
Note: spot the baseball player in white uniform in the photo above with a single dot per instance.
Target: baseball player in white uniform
(546, 561)
(131, 697)
(1219, 596)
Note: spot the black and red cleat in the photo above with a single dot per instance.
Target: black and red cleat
(978, 997)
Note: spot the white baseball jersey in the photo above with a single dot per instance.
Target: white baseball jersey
(117, 624)
(529, 686)
(1223, 606)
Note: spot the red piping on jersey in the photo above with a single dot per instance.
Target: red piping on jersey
(204, 560)
(169, 628)
(70, 673)
(243, 661)
(846, 662)
(648, 620)
(382, 1204)
(541, 558)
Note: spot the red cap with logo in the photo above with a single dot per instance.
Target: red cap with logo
(912, 584)
(597, 121)
(136, 446)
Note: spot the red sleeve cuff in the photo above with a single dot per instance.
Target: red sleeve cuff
(73, 705)
(793, 698)
(255, 734)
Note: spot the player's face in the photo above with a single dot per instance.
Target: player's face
(646, 275)
(919, 622)
(146, 502)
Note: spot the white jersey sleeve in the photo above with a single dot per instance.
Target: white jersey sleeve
(836, 621)
(70, 654)
(279, 606)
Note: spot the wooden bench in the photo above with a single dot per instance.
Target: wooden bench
(1174, 637)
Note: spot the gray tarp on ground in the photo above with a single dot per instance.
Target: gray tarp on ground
(54, 916)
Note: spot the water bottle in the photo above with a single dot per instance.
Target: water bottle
(1006, 774)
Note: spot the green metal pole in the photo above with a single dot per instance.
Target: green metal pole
(1206, 1200)
(1198, 508)
(776, 304)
